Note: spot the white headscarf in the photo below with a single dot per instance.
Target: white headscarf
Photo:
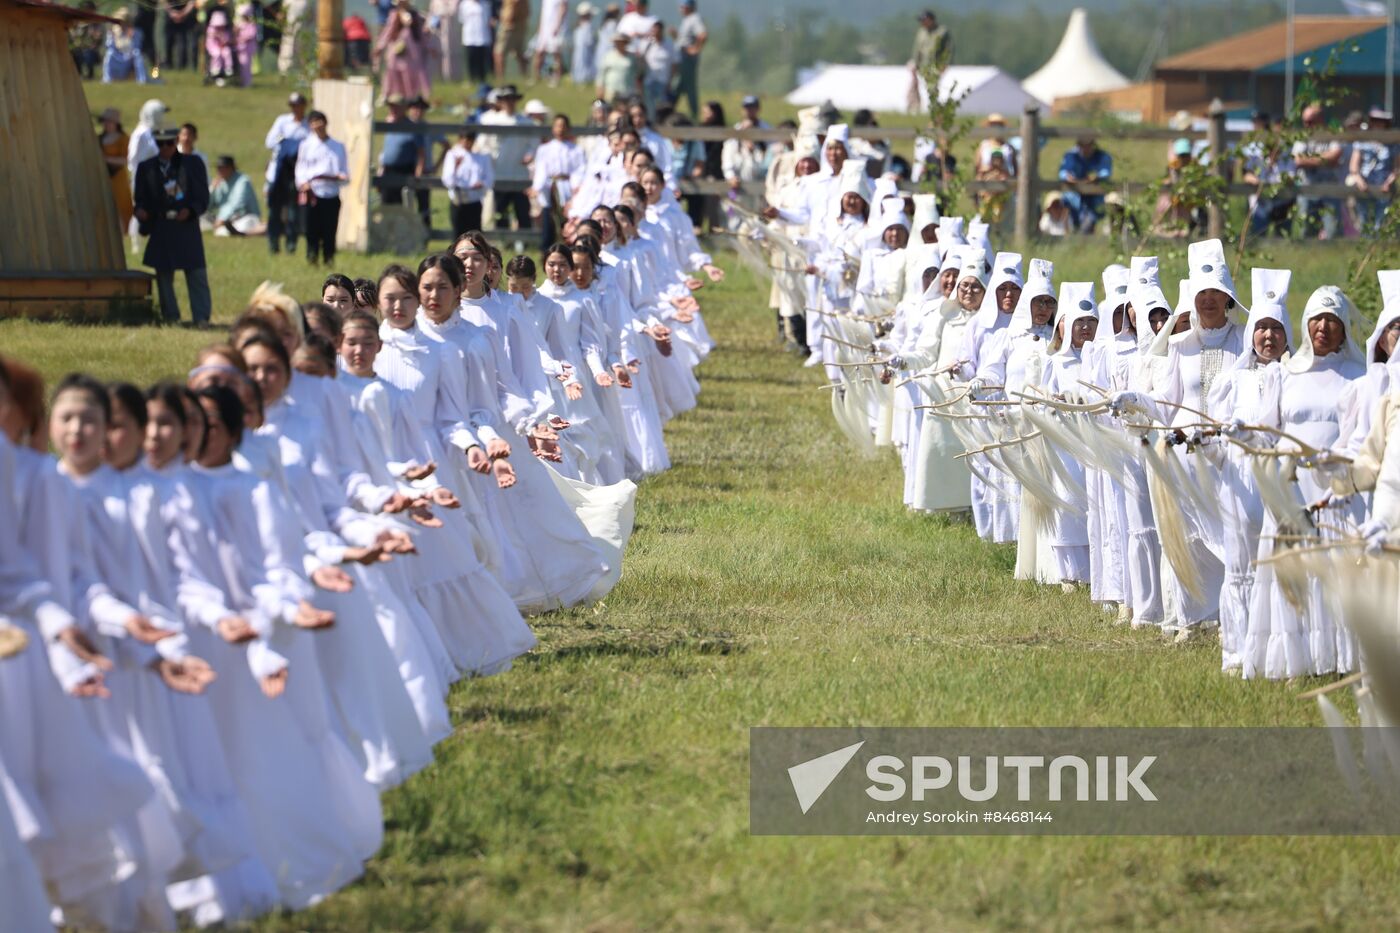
(152, 114)
(979, 235)
(925, 211)
(1076, 302)
(1329, 299)
(1115, 296)
(925, 255)
(1185, 306)
(1269, 289)
(1206, 259)
(952, 259)
(1039, 283)
(950, 232)
(1144, 294)
(1390, 310)
(975, 265)
(855, 181)
(1006, 267)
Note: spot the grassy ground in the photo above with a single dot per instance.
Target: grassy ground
(774, 579)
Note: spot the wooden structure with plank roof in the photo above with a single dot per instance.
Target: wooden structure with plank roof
(61, 246)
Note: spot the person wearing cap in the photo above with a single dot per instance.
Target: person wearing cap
(475, 16)
(510, 156)
(403, 153)
(618, 74)
(1087, 164)
(537, 111)
(321, 169)
(283, 140)
(233, 205)
(994, 144)
(1372, 172)
(172, 192)
(744, 160)
(583, 47)
(114, 143)
(512, 22)
(549, 40)
(121, 58)
(635, 24)
(690, 35)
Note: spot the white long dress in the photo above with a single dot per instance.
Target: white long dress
(1069, 534)
(75, 833)
(369, 701)
(1281, 641)
(941, 481)
(551, 560)
(462, 601)
(315, 817)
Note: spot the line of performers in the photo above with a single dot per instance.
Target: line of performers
(1198, 464)
(232, 606)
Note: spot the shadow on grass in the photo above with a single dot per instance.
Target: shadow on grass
(649, 645)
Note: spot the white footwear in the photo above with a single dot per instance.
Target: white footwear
(1066, 587)
(1139, 624)
(1186, 634)
(813, 360)
(1125, 614)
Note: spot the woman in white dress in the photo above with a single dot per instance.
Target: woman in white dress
(1241, 391)
(575, 334)
(994, 507)
(1300, 397)
(941, 480)
(315, 817)
(556, 561)
(418, 406)
(1078, 323)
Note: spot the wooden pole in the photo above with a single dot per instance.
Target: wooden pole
(330, 39)
(1215, 141)
(1028, 177)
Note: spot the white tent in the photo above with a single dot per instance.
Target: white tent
(885, 88)
(1077, 67)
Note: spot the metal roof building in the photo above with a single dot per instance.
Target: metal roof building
(1247, 71)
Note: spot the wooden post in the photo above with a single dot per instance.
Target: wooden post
(1215, 143)
(1028, 177)
(330, 39)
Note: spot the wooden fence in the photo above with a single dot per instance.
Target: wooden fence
(1028, 185)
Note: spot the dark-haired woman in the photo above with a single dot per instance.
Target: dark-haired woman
(550, 557)
(575, 331)
(315, 817)
(88, 846)
(468, 617)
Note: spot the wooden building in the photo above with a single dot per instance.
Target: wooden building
(1246, 72)
(61, 249)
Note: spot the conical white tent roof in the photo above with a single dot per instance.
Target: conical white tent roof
(1077, 67)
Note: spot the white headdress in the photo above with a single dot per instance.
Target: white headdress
(1039, 283)
(1269, 289)
(1076, 302)
(1390, 310)
(1006, 267)
(1329, 299)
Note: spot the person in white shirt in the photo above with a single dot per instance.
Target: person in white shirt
(637, 24)
(475, 17)
(467, 176)
(558, 169)
(320, 171)
(283, 141)
(511, 155)
(549, 41)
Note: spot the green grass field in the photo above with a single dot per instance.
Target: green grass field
(775, 579)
